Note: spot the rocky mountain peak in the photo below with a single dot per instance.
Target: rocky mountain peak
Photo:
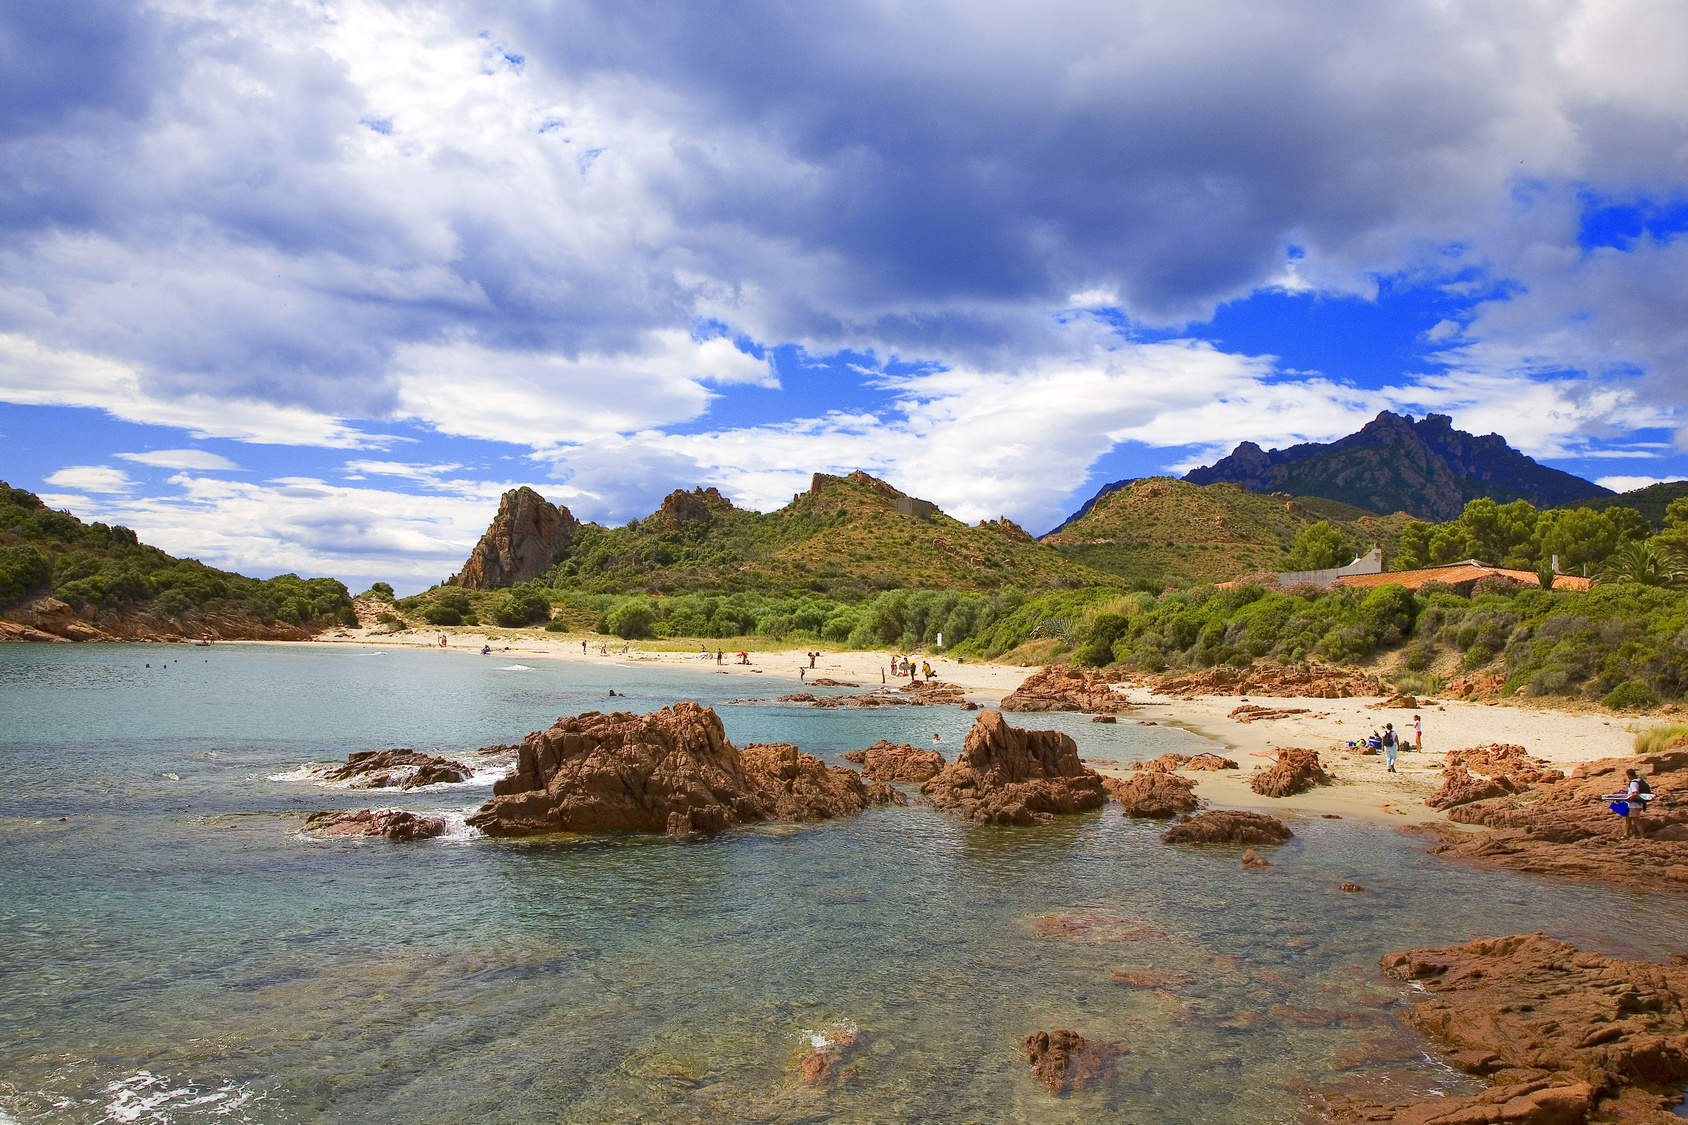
(519, 544)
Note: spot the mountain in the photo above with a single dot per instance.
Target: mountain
(848, 537)
(1169, 532)
(1427, 468)
(62, 579)
(525, 537)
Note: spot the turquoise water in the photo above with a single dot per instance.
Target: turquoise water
(174, 951)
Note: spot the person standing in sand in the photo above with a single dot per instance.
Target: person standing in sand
(1418, 733)
(1389, 746)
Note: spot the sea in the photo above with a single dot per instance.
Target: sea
(173, 949)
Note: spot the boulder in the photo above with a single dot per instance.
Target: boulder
(394, 824)
(1254, 859)
(879, 793)
(1061, 687)
(394, 769)
(1065, 1061)
(1153, 793)
(1296, 771)
(1227, 826)
(1563, 1033)
(670, 771)
(896, 761)
(523, 538)
(1006, 775)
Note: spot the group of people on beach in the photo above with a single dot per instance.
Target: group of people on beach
(1391, 743)
(904, 666)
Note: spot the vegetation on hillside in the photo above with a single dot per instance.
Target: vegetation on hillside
(1516, 535)
(107, 570)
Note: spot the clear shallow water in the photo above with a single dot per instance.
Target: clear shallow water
(174, 951)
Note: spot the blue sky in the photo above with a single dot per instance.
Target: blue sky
(306, 284)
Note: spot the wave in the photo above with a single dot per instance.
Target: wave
(516, 668)
(148, 1097)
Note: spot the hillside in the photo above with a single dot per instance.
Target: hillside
(1651, 501)
(62, 578)
(1394, 464)
(847, 537)
(1166, 532)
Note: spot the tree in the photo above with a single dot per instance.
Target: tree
(1577, 536)
(632, 618)
(1318, 546)
(1646, 563)
(1500, 533)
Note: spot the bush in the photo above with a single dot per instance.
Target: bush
(382, 590)
(1630, 696)
(631, 619)
(22, 569)
(1419, 683)
(1654, 739)
(522, 607)
(441, 613)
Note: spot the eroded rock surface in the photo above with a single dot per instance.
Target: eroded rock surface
(1492, 770)
(896, 761)
(1296, 771)
(1007, 775)
(1153, 793)
(519, 543)
(394, 824)
(394, 769)
(1186, 762)
(1306, 680)
(1065, 1061)
(1061, 687)
(670, 771)
(1561, 1032)
(1227, 826)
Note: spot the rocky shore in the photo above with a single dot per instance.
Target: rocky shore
(1006, 775)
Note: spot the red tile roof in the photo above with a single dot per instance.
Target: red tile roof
(1456, 573)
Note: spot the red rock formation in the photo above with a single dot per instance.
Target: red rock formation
(1316, 681)
(1296, 771)
(394, 824)
(700, 505)
(1006, 775)
(1061, 687)
(1561, 1033)
(395, 769)
(893, 761)
(670, 771)
(1254, 859)
(1564, 828)
(1153, 793)
(1065, 1061)
(879, 793)
(1186, 762)
(519, 544)
(1254, 713)
(1227, 826)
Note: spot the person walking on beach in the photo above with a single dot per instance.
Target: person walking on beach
(812, 656)
(1390, 744)
(1418, 733)
(801, 672)
(719, 653)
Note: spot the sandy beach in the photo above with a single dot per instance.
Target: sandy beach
(1364, 790)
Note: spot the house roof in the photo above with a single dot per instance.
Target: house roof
(1455, 573)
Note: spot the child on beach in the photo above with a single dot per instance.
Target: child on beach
(1418, 733)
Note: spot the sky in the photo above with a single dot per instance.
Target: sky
(290, 285)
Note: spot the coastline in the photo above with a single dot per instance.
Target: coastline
(1363, 789)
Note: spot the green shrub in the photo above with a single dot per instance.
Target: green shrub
(22, 569)
(1630, 696)
(631, 619)
(1652, 740)
(441, 613)
(522, 606)
(1419, 683)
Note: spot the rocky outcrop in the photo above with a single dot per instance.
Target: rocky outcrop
(1254, 859)
(1006, 775)
(896, 761)
(1560, 1032)
(525, 535)
(1065, 1061)
(1564, 828)
(700, 505)
(394, 824)
(1061, 687)
(1254, 713)
(669, 771)
(879, 793)
(1153, 793)
(1296, 771)
(1227, 826)
(1302, 680)
(1501, 770)
(394, 769)
(800, 787)
(1196, 762)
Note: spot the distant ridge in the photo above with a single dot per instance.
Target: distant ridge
(1426, 468)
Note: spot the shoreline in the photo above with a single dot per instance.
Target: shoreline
(1363, 789)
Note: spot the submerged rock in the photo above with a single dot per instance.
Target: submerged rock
(1061, 687)
(1153, 793)
(1254, 859)
(1296, 771)
(1563, 1033)
(669, 771)
(893, 761)
(395, 769)
(1065, 1061)
(394, 824)
(1227, 826)
(1006, 775)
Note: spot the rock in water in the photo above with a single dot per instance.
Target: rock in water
(1563, 1033)
(1065, 1061)
(801, 787)
(1006, 775)
(394, 824)
(1254, 859)
(520, 543)
(1153, 793)
(1297, 771)
(892, 761)
(395, 769)
(879, 793)
(669, 771)
(1061, 687)
(1227, 826)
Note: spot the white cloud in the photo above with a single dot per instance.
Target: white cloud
(92, 478)
(1630, 484)
(182, 459)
